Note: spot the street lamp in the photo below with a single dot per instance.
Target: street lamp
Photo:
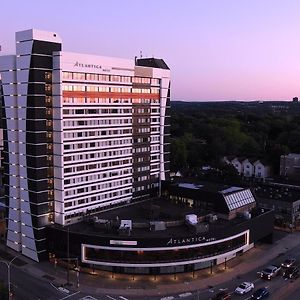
(76, 269)
(8, 264)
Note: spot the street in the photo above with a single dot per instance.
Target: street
(29, 287)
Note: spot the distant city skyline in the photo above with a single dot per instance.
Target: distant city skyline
(217, 50)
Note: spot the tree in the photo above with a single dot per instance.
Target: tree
(3, 291)
(178, 154)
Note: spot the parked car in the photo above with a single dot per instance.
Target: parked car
(290, 273)
(244, 288)
(288, 263)
(223, 295)
(260, 294)
(270, 272)
(64, 290)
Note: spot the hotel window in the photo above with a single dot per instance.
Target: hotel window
(126, 79)
(103, 77)
(48, 111)
(92, 88)
(49, 135)
(67, 75)
(154, 91)
(67, 87)
(155, 81)
(48, 75)
(48, 99)
(115, 78)
(103, 89)
(115, 89)
(48, 123)
(78, 111)
(92, 76)
(79, 76)
(48, 88)
(80, 88)
(126, 90)
(146, 80)
(136, 80)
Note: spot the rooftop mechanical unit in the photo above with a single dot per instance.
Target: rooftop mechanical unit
(125, 227)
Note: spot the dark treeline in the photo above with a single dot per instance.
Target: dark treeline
(203, 133)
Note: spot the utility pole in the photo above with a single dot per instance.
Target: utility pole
(8, 264)
(68, 256)
(77, 272)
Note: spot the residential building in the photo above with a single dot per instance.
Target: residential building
(247, 167)
(261, 169)
(238, 164)
(290, 165)
(227, 202)
(82, 134)
(284, 199)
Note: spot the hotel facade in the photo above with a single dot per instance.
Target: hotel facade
(82, 134)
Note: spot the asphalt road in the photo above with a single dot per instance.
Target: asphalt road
(279, 287)
(27, 287)
(295, 295)
(31, 288)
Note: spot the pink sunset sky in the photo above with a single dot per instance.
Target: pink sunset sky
(216, 50)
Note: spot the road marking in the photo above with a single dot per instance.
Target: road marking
(70, 295)
(185, 295)
(112, 298)
(88, 298)
(53, 285)
(123, 298)
(167, 298)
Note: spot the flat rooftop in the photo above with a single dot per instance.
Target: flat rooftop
(164, 210)
(277, 192)
(207, 186)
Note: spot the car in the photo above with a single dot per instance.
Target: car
(260, 294)
(270, 272)
(63, 289)
(289, 262)
(223, 295)
(244, 288)
(291, 273)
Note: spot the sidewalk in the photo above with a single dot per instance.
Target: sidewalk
(149, 285)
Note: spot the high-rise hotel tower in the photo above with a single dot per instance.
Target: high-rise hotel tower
(82, 134)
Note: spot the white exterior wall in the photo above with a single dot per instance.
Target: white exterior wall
(14, 71)
(248, 168)
(75, 186)
(9, 84)
(237, 164)
(92, 151)
(261, 170)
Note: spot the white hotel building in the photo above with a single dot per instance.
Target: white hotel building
(82, 134)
